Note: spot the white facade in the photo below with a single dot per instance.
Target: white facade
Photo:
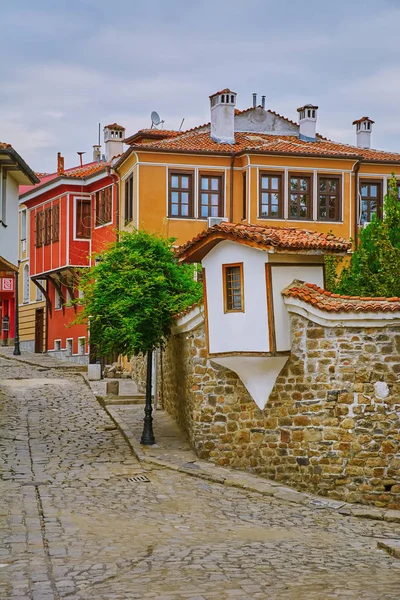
(9, 238)
(308, 121)
(363, 132)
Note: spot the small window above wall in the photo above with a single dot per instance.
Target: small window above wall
(233, 287)
(180, 203)
(211, 197)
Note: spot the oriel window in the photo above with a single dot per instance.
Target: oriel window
(211, 197)
(233, 287)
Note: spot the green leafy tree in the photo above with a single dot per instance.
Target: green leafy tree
(374, 268)
(133, 293)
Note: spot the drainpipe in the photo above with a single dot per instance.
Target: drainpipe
(115, 179)
(356, 169)
(231, 190)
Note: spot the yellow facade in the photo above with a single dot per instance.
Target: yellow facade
(150, 188)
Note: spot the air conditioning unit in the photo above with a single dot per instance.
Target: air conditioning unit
(216, 221)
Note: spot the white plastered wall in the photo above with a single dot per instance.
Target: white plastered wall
(9, 236)
(237, 331)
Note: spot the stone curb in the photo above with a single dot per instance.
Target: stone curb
(392, 547)
(61, 367)
(252, 483)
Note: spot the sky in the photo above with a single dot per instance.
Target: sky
(68, 65)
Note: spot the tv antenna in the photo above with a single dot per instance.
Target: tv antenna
(155, 119)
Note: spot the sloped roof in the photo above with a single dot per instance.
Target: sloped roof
(81, 172)
(23, 172)
(264, 238)
(327, 301)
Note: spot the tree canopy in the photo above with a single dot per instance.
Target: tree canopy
(374, 268)
(133, 293)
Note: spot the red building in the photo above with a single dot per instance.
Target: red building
(72, 214)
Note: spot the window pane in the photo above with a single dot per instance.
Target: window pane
(204, 211)
(204, 183)
(294, 184)
(333, 185)
(174, 197)
(214, 211)
(322, 185)
(214, 199)
(174, 209)
(364, 190)
(214, 184)
(185, 182)
(274, 210)
(274, 183)
(265, 183)
(373, 190)
(184, 210)
(303, 184)
(174, 181)
(233, 300)
(184, 198)
(204, 199)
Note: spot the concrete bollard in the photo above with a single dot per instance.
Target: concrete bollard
(112, 388)
(94, 372)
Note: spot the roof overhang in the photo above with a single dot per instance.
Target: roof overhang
(7, 268)
(61, 180)
(12, 162)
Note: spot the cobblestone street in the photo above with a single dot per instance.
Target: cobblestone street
(74, 526)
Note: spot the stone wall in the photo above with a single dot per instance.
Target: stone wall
(331, 425)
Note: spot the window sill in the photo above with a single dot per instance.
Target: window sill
(105, 224)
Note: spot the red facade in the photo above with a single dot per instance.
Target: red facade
(72, 215)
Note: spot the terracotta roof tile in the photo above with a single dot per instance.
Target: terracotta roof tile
(326, 301)
(5, 146)
(197, 140)
(186, 310)
(284, 238)
(115, 126)
(76, 172)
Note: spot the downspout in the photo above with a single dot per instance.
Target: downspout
(356, 169)
(231, 190)
(115, 179)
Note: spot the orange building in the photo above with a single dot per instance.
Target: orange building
(251, 166)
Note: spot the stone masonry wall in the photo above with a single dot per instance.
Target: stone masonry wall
(331, 425)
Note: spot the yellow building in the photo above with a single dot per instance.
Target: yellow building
(251, 166)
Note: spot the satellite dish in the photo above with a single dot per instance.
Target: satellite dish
(155, 119)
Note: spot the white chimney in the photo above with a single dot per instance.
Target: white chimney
(223, 116)
(96, 153)
(114, 136)
(308, 122)
(363, 131)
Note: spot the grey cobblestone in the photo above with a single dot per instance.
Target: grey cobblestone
(72, 526)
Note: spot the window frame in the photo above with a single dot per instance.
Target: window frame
(221, 193)
(26, 283)
(190, 189)
(128, 200)
(77, 201)
(225, 268)
(103, 206)
(310, 207)
(339, 200)
(47, 226)
(55, 223)
(379, 212)
(270, 174)
(39, 234)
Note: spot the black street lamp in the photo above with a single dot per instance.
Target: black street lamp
(148, 438)
(17, 350)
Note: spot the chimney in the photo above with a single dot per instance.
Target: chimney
(96, 153)
(364, 131)
(308, 122)
(254, 100)
(60, 164)
(114, 137)
(223, 116)
(263, 101)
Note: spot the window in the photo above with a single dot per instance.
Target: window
(47, 226)
(300, 197)
(270, 196)
(244, 197)
(371, 200)
(26, 284)
(23, 225)
(39, 228)
(69, 347)
(180, 194)
(329, 198)
(82, 219)
(104, 206)
(39, 293)
(57, 300)
(129, 200)
(57, 345)
(211, 197)
(233, 287)
(55, 223)
(81, 345)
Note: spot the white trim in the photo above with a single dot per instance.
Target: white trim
(84, 353)
(315, 195)
(54, 345)
(93, 200)
(67, 232)
(299, 168)
(286, 194)
(341, 319)
(74, 199)
(72, 345)
(64, 181)
(189, 321)
(137, 195)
